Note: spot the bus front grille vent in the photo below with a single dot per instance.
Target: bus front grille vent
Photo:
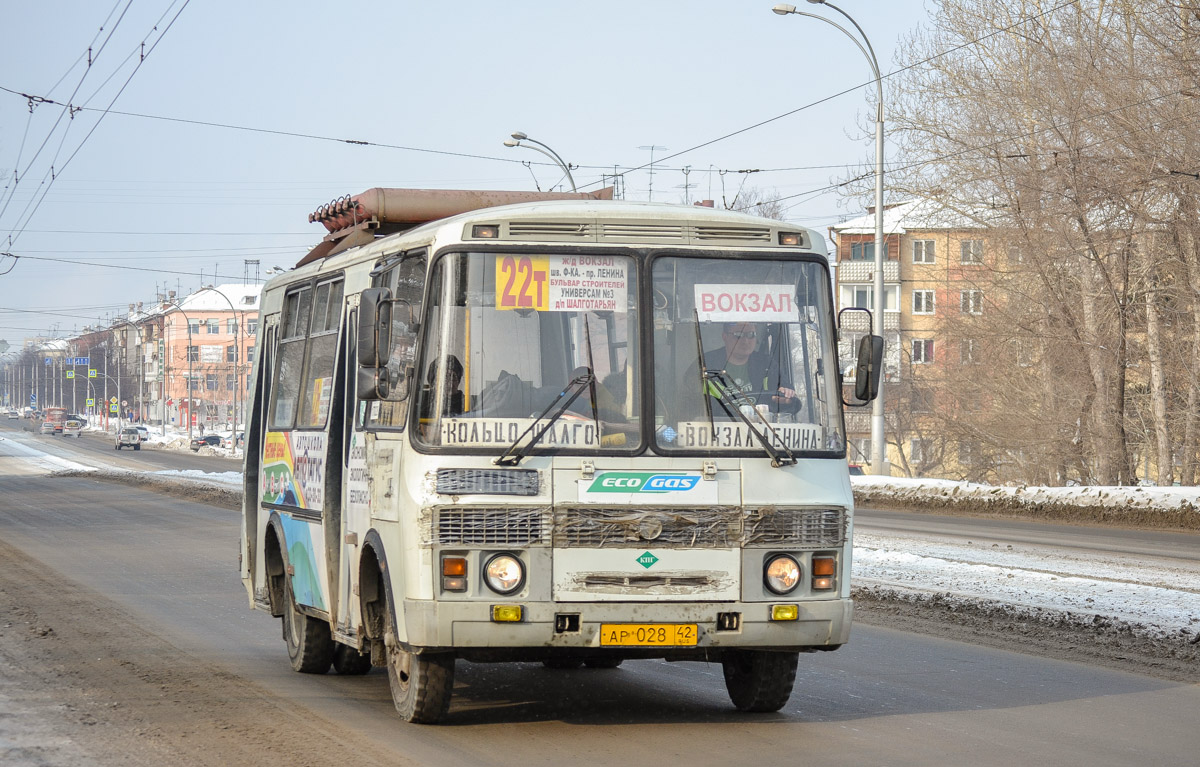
(550, 230)
(734, 233)
(592, 527)
(509, 527)
(642, 231)
(803, 528)
(680, 527)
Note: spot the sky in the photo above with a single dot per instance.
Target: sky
(210, 130)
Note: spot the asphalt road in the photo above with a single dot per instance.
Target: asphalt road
(888, 697)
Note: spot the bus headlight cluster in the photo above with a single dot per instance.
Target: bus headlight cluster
(781, 573)
(504, 574)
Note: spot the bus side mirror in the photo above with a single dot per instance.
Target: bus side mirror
(373, 383)
(870, 366)
(374, 329)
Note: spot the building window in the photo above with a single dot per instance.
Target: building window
(859, 450)
(968, 453)
(972, 251)
(249, 354)
(252, 327)
(922, 351)
(193, 354)
(920, 401)
(922, 302)
(231, 382)
(231, 353)
(1015, 254)
(214, 326)
(1024, 350)
(193, 382)
(923, 252)
(863, 297)
(920, 451)
(231, 327)
(968, 351)
(865, 251)
(971, 301)
(210, 382)
(193, 327)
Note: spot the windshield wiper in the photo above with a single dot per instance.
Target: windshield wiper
(719, 381)
(582, 377)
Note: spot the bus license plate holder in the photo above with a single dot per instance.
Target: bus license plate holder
(648, 635)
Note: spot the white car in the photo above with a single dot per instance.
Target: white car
(13, 415)
(144, 432)
(72, 428)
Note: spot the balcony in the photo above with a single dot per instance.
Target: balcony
(864, 271)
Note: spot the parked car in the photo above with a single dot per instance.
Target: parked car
(143, 431)
(208, 440)
(856, 470)
(47, 427)
(72, 428)
(129, 437)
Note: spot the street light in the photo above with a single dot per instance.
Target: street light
(518, 137)
(237, 371)
(878, 448)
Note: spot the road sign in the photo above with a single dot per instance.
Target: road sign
(91, 372)
(113, 400)
(32, 399)
(81, 360)
(90, 402)
(112, 408)
(47, 360)
(70, 374)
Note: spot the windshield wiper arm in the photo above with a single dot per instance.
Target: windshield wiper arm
(582, 377)
(719, 381)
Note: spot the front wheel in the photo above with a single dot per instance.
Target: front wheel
(310, 644)
(421, 684)
(758, 680)
(348, 661)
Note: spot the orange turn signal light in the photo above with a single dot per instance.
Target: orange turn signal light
(824, 566)
(454, 566)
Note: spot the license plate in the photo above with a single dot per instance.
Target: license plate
(648, 634)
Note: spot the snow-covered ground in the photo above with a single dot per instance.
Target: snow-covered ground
(1157, 597)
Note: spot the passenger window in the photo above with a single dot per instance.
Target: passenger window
(322, 346)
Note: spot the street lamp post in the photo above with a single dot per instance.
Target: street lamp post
(518, 137)
(237, 350)
(878, 447)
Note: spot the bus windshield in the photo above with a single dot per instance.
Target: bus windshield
(506, 334)
(742, 344)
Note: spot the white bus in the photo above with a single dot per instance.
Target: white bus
(569, 431)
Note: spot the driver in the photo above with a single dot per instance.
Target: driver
(748, 369)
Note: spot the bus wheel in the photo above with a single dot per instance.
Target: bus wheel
(421, 684)
(350, 662)
(758, 680)
(309, 642)
(602, 661)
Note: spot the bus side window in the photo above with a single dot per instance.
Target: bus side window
(285, 394)
(407, 282)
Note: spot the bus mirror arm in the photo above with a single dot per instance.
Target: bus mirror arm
(373, 383)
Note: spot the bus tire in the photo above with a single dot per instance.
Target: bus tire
(348, 661)
(602, 661)
(310, 644)
(421, 684)
(759, 681)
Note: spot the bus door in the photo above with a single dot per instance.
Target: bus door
(297, 442)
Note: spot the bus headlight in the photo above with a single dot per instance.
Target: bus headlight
(781, 574)
(504, 574)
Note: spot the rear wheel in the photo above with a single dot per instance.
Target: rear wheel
(350, 662)
(309, 643)
(758, 680)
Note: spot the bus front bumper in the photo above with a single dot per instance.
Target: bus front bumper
(819, 624)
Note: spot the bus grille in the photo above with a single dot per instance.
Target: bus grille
(803, 528)
(509, 527)
(699, 528)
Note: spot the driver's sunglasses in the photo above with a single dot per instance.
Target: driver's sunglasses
(739, 334)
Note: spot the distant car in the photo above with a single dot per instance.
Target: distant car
(143, 431)
(13, 415)
(47, 427)
(209, 440)
(72, 428)
(129, 437)
(856, 470)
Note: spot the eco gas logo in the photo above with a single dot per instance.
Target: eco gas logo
(642, 482)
